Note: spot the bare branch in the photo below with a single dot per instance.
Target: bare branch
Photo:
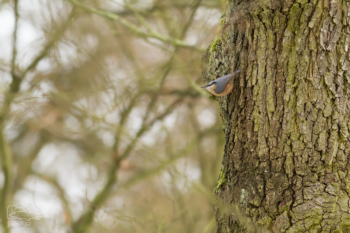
(82, 224)
(133, 28)
(61, 193)
(43, 53)
(6, 156)
(145, 174)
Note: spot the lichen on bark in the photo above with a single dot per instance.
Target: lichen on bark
(286, 123)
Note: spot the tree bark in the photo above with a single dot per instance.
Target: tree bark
(286, 160)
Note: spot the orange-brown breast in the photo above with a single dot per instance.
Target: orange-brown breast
(226, 91)
(211, 89)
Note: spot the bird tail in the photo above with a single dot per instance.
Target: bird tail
(236, 72)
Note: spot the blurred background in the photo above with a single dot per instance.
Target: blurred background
(103, 124)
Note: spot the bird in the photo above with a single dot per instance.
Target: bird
(221, 86)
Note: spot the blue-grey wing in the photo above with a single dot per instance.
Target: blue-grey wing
(223, 81)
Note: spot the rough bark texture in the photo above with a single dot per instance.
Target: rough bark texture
(286, 160)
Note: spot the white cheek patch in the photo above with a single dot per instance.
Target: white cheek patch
(210, 87)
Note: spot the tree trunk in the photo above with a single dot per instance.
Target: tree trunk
(286, 161)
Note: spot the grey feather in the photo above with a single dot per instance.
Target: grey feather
(221, 82)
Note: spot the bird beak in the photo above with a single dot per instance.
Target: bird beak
(204, 86)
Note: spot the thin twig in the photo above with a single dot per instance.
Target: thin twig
(61, 192)
(132, 27)
(82, 224)
(133, 223)
(149, 173)
(14, 40)
(168, 67)
(52, 40)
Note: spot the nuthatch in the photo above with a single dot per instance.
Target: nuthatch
(221, 86)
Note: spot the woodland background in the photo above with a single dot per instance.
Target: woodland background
(103, 125)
